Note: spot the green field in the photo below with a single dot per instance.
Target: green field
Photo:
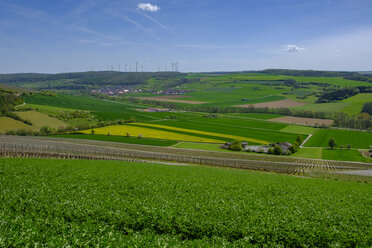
(357, 139)
(40, 120)
(298, 129)
(7, 124)
(344, 155)
(120, 139)
(255, 129)
(103, 109)
(355, 103)
(79, 203)
(46, 109)
(309, 153)
(336, 154)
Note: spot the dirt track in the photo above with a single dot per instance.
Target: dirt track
(170, 99)
(303, 121)
(287, 103)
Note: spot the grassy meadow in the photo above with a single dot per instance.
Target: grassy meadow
(100, 108)
(7, 124)
(355, 103)
(40, 120)
(115, 203)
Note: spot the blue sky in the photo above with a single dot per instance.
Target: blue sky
(204, 35)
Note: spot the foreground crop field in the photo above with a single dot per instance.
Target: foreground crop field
(114, 203)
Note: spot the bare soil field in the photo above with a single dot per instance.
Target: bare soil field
(286, 103)
(170, 99)
(303, 121)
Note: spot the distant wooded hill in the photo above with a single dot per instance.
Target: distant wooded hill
(80, 80)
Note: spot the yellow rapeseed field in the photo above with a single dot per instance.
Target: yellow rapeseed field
(150, 133)
(226, 136)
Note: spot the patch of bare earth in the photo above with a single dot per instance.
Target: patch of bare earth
(286, 103)
(303, 121)
(170, 99)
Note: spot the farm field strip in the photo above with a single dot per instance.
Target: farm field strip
(266, 135)
(240, 125)
(201, 132)
(150, 133)
(357, 139)
(24, 147)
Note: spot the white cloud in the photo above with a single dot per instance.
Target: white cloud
(293, 48)
(148, 7)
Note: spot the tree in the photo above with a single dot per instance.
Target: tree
(367, 108)
(299, 140)
(92, 132)
(332, 143)
(277, 150)
(236, 145)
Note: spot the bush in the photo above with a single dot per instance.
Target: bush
(236, 147)
(293, 148)
(332, 143)
(24, 132)
(46, 130)
(299, 140)
(11, 132)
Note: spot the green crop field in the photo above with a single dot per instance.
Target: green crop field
(344, 155)
(120, 139)
(336, 154)
(79, 203)
(106, 110)
(298, 129)
(309, 152)
(355, 103)
(260, 130)
(356, 139)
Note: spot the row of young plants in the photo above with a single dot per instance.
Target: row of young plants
(82, 203)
